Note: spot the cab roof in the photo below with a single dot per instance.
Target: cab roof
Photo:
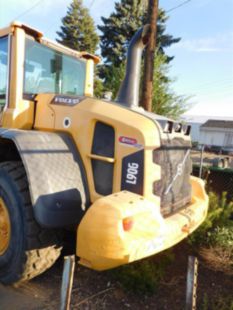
(40, 38)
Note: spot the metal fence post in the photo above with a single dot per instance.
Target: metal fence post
(191, 288)
(67, 282)
(201, 160)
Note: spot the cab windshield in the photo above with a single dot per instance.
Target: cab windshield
(49, 71)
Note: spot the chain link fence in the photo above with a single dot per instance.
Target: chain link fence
(218, 180)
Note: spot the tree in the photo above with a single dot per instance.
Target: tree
(78, 30)
(165, 101)
(113, 76)
(98, 85)
(117, 30)
(163, 39)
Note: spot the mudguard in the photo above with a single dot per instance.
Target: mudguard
(57, 179)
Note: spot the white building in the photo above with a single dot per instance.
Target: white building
(217, 133)
(196, 122)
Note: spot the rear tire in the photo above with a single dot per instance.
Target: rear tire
(32, 249)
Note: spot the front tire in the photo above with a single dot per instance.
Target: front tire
(31, 249)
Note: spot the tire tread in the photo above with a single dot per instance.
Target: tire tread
(42, 245)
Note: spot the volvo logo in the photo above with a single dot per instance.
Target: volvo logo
(66, 100)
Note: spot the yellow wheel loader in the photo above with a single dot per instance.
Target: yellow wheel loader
(117, 175)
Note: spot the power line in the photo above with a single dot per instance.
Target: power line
(178, 6)
(28, 10)
(91, 4)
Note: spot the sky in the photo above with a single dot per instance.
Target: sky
(203, 62)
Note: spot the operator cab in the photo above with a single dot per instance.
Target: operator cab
(32, 65)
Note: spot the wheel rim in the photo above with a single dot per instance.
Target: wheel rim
(4, 227)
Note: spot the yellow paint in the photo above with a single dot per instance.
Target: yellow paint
(89, 82)
(20, 113)
(27, 29)
(103, 243)
(83, 118)
(5, 31)
(5, 227)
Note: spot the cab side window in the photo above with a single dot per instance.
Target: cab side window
(3, 71)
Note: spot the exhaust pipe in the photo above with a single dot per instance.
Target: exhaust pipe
(128, 94)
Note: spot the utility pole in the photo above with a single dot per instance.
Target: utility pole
(147, 89)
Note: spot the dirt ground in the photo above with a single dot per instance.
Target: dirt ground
(95, 290)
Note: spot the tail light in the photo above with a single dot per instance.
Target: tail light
(127, 223)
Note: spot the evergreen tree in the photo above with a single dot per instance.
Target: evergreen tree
(112, 77)
(165, 101)
(163, 39)
(78, 30)
(117, 30)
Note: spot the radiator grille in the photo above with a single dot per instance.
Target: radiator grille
(174, 187)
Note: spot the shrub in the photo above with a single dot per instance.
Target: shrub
(219, 215)
(222, 237)
(144, 276)
(215, 236)
(219, 253)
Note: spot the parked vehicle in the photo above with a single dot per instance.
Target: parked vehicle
(117, 175)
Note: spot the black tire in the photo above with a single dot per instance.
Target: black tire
(32, 249)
